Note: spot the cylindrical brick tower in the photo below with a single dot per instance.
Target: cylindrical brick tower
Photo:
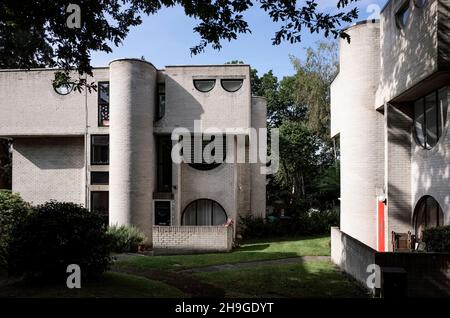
(132, 171)
(361, 131)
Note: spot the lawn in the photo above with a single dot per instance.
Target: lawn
(110, 285)
(253, 251)
(309, 279)
(183, 275)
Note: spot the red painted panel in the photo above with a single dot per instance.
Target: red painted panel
(381, 247)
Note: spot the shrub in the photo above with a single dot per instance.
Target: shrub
(437, 239)
(13, 211)
(55, 235)
(313, 222)
(125, 238)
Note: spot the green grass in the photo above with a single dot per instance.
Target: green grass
(110, 285)
(309, 279)
(257, 250)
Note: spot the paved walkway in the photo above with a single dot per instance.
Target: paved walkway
(243, 265)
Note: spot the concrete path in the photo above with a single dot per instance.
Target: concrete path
(243, 265)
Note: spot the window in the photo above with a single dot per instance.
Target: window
(162, 213)
(100, 202)
(99, 177)
(204, 85)
(231, 85)
(103, 103)
(430, 116)
(164, 164)
(204, 212)
(63, 89)
(100, 149)
(428, 214)
(161, 107)
(206, 153)
(402, 16)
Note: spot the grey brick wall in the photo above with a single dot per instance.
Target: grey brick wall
(177, 239)
(49, 169)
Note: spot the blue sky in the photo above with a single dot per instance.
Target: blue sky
(165, 39)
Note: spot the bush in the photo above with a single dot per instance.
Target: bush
(55, 235)
(437, 239)
(13, 211)
(125, 238)
(313, 222)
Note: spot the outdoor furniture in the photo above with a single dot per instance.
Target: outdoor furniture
(403, 242)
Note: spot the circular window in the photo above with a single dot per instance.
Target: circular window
(206, 152)
(63, 89)
(204, 85)
(428, 214)
(403, 15)
(204, 212)
(231, 85)
(430, 117)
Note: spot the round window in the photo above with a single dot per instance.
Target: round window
(430, 117)
(206, 152)
(231, 85)
(204, 212)
(403, 15)
(63, 89)
(204, 85)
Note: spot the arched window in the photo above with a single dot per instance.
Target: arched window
(428, 214)
(204, 212)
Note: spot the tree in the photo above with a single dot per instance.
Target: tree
(312, 84)
(36, 34)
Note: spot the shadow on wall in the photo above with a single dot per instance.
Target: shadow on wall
(181, 108)
(54, 153)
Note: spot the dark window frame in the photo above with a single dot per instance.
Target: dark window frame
(205, 80)
(92, 151)
(160, 164)
(230, 80)
(439, 120)
(99, 183)
(101, 104)
(207, 166)
(161, 92)
(92, 193)
(196, 211)
(423, 204)
(169, 202)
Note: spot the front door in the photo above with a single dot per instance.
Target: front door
(162, 213)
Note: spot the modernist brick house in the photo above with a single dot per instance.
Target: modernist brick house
(390, 112)
(110, 150)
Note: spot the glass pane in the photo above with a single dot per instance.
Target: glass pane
(204, 85)
(219, 216)
(100, 202)
(103, 93)
(189, 215)
(431, 120)
(403, 15)
(162, 213)
(204, 212)
(232, 85)
(100, 150)
(419, 122)
(99, 177)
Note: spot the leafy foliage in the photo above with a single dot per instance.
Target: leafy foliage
(125, 238)
(31, 36)
(314, 222)
(13, 211)
(437, 239)
(55, 235)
